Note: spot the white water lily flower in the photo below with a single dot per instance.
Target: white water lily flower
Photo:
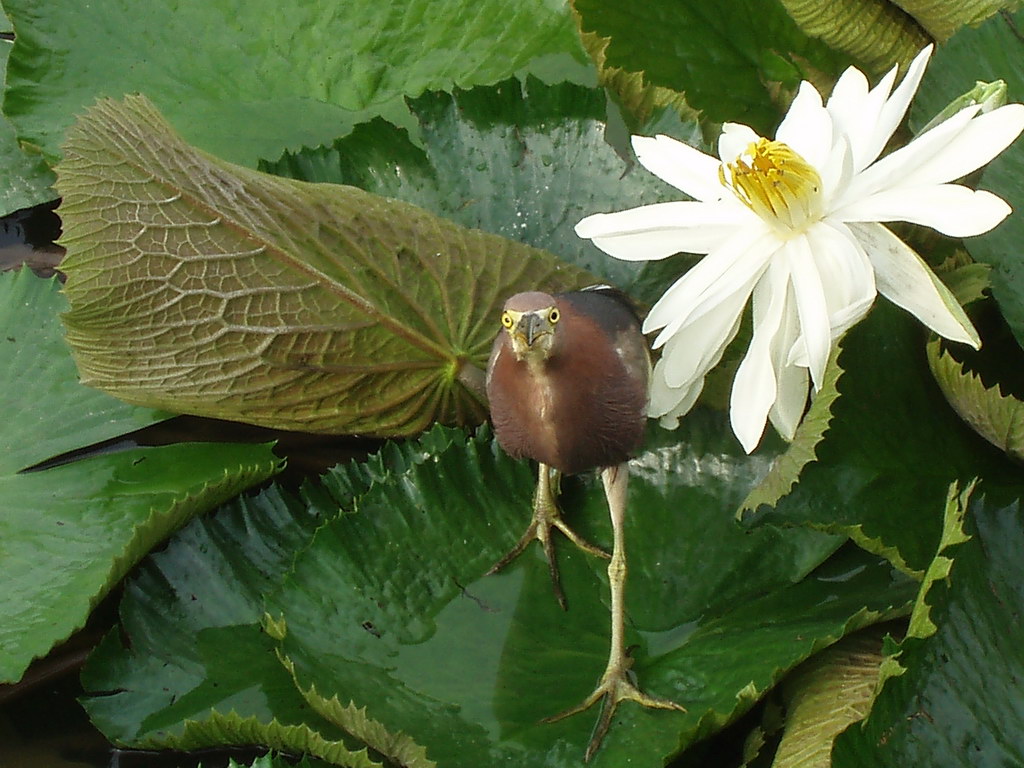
(796, 223)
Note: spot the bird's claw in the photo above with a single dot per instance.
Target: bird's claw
(545, 517)
(540, 529)
(615, 686)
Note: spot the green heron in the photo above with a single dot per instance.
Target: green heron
(567, 383)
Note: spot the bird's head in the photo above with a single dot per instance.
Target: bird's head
(530, 319)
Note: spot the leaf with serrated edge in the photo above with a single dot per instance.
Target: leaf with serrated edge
(438, 514)
(230, 729)
(289, 73)
(956, 701)
(786, 468)
(734, 61)
(892, 448)
(399, 610)
(211, 289)
(997, 417)
(209, 626)
(398, 747)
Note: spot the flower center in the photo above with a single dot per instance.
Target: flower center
(775, 183)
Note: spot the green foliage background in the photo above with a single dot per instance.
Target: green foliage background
(307, 220)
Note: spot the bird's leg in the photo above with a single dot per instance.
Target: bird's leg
(617, 683)
(545, 517)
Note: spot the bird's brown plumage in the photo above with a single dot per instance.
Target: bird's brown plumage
(583, 406)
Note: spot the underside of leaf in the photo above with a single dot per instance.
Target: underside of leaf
(207, 288)
(826, 693)
(877, 33)
(786, 469)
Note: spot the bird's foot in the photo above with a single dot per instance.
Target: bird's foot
(616, 685)
(547, 516)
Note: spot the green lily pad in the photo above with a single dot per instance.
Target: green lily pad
(70, 532)
(526, 162)
(207, 288)
(199, 645)
(702, 597)
(892, 448)
(955, 697)
(248, 81)
(370, 610)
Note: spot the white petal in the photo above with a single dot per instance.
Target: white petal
(694, 348)
(907, 282)
(682, 166)
(791, 400)
(656, 231)
(678, 378)
(755, 387)
(807, 127)
(836, 172)
(734, 140)
(952, 154)
(721, 271)
(669, 404)
(811, 306)
(948, 208)
(894, 169)
(895, 107)
(792, 380)
(856, 112)
(845, 105)
(847, 276)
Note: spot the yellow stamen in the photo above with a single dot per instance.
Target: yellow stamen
(776, 184)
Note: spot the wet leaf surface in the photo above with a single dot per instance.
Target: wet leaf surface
(957, 701)
(370, 610)
(70, 532)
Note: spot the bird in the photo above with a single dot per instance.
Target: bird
(567, 385)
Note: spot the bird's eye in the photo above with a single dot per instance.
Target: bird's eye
(553, 316)
(506, 320)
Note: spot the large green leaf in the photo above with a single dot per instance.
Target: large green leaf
(369, 613)
(955, 700)
(992, 51)
(246, 81)
(729, 59)
(203, 287)
(892, 448)
(526, 162)
(69, 533)
(192, 614)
